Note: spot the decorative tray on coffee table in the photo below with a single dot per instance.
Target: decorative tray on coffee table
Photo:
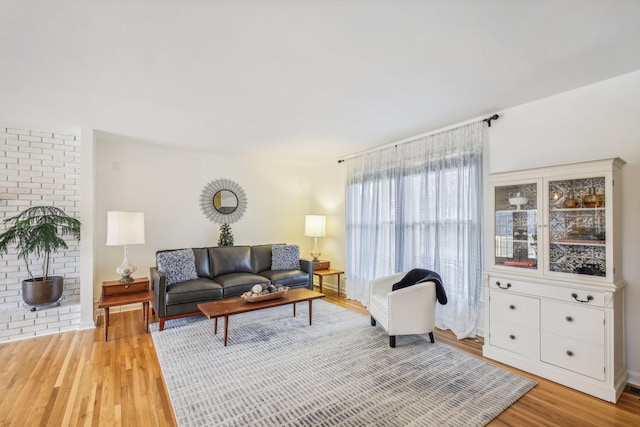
(272, 295)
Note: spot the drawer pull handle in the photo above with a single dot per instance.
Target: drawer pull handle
(126, 286)
(513, 337)
(569, 353)
(507, 286)
(512, 307)
(575, 297)
(569, 319)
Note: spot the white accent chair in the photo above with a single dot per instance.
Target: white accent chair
(407, 311)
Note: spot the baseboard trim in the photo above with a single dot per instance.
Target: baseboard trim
(633, 378)
(86, 325)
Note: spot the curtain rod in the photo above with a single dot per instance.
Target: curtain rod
(422, 135)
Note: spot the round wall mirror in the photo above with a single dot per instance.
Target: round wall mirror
(223, 201)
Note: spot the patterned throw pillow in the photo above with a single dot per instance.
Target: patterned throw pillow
(285, 257)
(178, 266)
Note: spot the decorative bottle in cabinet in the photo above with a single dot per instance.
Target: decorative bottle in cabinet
(554, 295)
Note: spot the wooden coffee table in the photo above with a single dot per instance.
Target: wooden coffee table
(228, 307)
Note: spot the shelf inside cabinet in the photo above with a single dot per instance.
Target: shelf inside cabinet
(517, 210)
(579, 242)
(553, 209)
(528, 263)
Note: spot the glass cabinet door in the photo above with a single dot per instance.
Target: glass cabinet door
(516, 225)
(577, 224)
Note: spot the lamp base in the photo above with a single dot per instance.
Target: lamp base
(126, 269)
(315, 253)
(126, 279)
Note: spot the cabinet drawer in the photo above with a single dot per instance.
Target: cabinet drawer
(573, 321)
(577, 356)
(321, 265)
(517, 338)
(562, 293)
(516, 309)
(116, 288)
(586, 297)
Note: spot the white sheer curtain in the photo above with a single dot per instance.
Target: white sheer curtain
(419, 205)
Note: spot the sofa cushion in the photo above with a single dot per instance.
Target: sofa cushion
(235, 284)
(287, 277)
(203, 263)
(193, 290)
(285, 257)
(261, 256)
(230, 259)
(178, 266)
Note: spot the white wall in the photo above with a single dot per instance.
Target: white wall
(166, 184)
(327, 198)
(597, 121)
(87, 205)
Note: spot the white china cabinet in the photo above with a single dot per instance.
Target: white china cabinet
(553, 291)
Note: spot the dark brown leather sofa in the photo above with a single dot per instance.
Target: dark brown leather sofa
(223, 272)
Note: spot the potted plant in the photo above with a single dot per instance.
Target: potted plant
(37, 231)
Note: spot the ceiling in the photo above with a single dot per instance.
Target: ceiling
(299, 78)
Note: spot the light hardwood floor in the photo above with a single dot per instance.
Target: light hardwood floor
(76, 378)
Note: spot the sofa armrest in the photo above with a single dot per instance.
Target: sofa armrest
(307, 265)
(159, 288)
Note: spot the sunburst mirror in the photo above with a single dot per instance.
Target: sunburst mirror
(223, 201)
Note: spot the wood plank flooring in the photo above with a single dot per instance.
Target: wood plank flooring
(78, 379)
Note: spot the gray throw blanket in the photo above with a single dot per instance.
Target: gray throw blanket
(419, 275)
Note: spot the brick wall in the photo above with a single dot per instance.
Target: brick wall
(38, 168)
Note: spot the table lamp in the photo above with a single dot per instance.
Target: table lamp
(125, 228)
(314, 226)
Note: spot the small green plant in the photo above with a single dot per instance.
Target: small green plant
(226, 236)
(37, 231)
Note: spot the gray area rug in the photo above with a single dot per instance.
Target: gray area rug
(279, 371)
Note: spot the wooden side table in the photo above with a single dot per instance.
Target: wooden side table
(116, 294)
(328, 272)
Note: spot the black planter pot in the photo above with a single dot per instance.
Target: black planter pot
(42, 292)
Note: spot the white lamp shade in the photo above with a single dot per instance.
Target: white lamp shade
(314, 225)
(125, 228)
